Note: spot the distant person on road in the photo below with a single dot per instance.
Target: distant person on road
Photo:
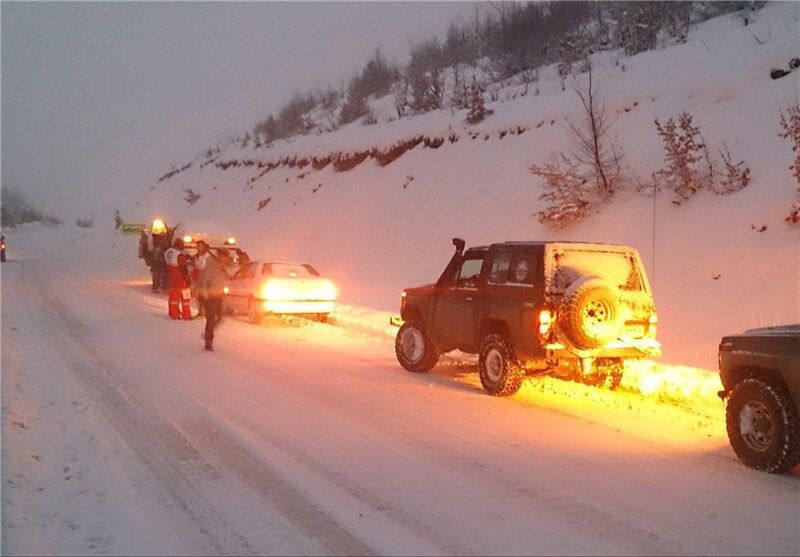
(2, 249)
(179, 281)
(198, 264)
(213, 283)
(160, 244)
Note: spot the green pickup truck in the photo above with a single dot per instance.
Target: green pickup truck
(760, 372)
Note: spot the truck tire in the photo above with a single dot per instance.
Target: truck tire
(500, 372)
(763, 426)
(590, 315)
(414, 349)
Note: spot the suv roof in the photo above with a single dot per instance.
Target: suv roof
(586, 245)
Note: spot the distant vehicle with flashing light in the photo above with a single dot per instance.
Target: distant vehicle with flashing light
(213, 234)
(760, 374)
(576, 310)
(262, 288)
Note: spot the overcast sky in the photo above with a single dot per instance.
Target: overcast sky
(99, 99)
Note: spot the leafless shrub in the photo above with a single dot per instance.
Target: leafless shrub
(191, 197)
(790, 129)
(369, 119)
(689, 167)
(793, 217)
(735, 177)
(477, 108)
(263, 203)
(402, 97)
(84, 222)
(565, 192)
(460, 93)
(684, 150)
(118, 222)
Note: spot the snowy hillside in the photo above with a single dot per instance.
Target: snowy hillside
(375, 206)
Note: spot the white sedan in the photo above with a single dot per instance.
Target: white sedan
(262, 288)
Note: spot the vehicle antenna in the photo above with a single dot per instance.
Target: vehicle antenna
(655, 191)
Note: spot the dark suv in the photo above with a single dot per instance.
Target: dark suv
(760, 373)
(573, 309)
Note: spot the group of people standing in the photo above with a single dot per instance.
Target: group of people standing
(202, 276)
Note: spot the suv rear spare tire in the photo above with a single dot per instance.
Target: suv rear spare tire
(762, 424)
(591, 315)
(500, 372)
(414, 349)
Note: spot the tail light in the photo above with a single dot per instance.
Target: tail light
(546, 320)
(225, 289)
(652, 325)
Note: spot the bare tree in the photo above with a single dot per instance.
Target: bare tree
(595, 148)
(574, 184)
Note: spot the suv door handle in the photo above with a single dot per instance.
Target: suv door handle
(468, 298)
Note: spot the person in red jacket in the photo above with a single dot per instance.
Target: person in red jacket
(179, 281)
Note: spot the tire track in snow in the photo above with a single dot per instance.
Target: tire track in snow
(164, 455)
(176, 461)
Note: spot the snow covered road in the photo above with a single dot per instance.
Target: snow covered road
(121, 435)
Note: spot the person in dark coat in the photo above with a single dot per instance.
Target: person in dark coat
(158, 265)
(213, 285)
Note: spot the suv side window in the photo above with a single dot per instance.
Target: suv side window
(521, 268)
(468, 273)
(499, 271)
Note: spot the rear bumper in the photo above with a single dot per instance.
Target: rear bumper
(297, 306)
(628, 348)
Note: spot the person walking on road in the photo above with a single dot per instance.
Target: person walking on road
(179, 281)
(213, 283)
(199, 263)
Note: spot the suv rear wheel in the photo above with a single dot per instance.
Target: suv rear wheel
(763, 426)
(414, 349)
(500, 372)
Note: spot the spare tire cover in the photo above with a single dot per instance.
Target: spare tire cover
(590, 315)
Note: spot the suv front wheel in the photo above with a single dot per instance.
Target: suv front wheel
(414, 349)
(763, 426)
(500, 372)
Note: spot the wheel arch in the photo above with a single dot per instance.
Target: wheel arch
(490, 325)
(739, 373)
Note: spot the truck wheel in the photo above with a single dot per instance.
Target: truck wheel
(254, 315)
(763, 426)
(414, 349)
(590, 315)
(500, 372)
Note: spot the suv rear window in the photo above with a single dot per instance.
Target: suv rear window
(617, 267)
